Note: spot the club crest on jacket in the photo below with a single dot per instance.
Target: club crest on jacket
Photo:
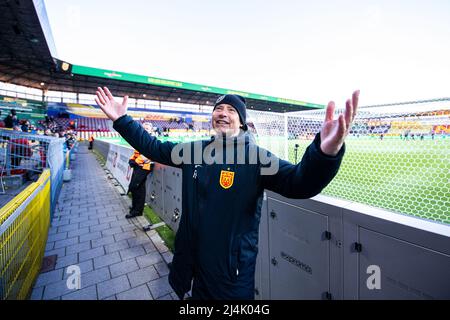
(226, 179)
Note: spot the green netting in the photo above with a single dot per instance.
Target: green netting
(398, 157)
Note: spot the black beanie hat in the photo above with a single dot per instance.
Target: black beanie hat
(238, 102)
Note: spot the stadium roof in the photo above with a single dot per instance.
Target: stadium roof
(27, 57)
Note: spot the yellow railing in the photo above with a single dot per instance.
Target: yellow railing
(24, 224)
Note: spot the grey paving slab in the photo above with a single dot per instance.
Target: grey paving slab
(149, 247)
(124, 267)
(50, 246)
(61, 222)
(119, 223)
(112, 231)
(132, 252)
(160, 287)
(166, 297)
(100, 227)
(92, 253)
(107, 260)
(79, 247)
(57, 236)
(117, 259)
(142, 276)
(37, 293)
(59, 252)
(108, 219)
(89, 223)
(162, 268)
(56, 289)
(167, 256)
(129, 227)
(89, 293)
(125, 235)
(139, 293)
(116, 246)
(102, 241)
(78, 232)
(49, 277)
(90, 236)
(62, 262)
(79, 219)
(113, 286)
(149, 259)
(68, 227)
(140, 239)
(95, 277)
(66, 242)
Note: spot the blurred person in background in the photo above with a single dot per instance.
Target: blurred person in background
(19, 148)
(142, 167)
(11, 119)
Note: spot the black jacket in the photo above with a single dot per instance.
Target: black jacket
(11, 121)
(217, 239)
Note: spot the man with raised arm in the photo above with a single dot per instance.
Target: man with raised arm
(222, 190)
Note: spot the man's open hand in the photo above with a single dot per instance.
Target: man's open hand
(110, 107)
(334, 131)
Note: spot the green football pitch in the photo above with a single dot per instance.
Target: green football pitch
(410, 177)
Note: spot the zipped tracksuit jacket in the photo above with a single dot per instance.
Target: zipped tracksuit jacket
(217, 239)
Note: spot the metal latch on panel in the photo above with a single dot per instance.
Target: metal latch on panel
(273, 215)
(327, 235)
(357, 247)
(152, 196)
(176, 215)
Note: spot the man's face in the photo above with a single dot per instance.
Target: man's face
(148, 127)
(225, 120)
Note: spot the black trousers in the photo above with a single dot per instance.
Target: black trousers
(137, 189)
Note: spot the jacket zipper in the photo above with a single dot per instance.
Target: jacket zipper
(195, 212)
(195, 171)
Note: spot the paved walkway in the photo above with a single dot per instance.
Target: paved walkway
(117, 259)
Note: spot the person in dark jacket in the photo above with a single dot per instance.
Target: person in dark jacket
(142, 167)
(25, 126)
(11, 119)
(91, 142)
(217, 239)
(20, 149)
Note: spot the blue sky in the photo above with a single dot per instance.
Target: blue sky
(312, 51)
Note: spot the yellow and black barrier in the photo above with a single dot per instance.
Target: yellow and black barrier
(24, 224)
